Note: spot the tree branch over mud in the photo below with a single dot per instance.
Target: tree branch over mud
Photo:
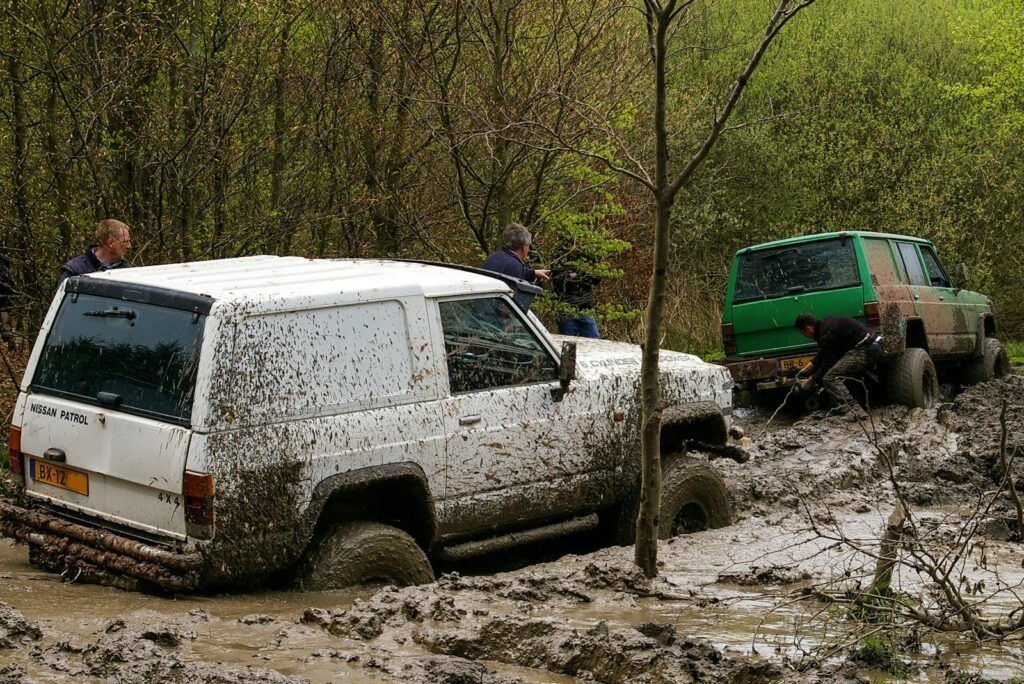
(939, 572)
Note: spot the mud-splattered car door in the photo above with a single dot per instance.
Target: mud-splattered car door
(960, 310)
(514, 453)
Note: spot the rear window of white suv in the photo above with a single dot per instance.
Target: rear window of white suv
(130, 356)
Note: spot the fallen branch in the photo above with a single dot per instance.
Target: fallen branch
(1004, 463)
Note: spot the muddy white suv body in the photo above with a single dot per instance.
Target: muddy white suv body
(225, 422)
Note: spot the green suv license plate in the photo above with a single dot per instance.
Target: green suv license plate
(56, 476)
(794, 363)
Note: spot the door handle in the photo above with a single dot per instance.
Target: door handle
(469, 420)
(941, 298)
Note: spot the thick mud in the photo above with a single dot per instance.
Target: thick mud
(739, 604)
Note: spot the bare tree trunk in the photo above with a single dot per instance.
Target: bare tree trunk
(221, 179)
(665, 189)
(880, 586)
(279, 159)
(499, 63)
(1004, 463)
(650, 387)
(58, 165)
(22, 273)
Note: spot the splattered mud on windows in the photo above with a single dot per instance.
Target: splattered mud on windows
(936, 274)
(127, 356)
(911, 264)
(317, 360)
(811, 267)
(487, 346)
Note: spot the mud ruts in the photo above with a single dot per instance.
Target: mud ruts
(99, 553)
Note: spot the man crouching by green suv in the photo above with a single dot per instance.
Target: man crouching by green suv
(846, 348)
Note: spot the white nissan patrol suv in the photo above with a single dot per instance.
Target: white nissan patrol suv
(217, 424)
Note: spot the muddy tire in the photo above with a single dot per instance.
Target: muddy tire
(693, 497)
(912, 380)
(363, 552)
(992, 363)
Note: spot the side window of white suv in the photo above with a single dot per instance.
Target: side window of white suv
(487, 345)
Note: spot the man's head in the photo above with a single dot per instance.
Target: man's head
(113, 240)
(806, 324)
(516, 238)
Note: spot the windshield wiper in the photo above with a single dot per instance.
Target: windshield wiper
(113, 313)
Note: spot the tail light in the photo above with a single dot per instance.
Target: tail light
(14, 454)
(728, 338)
(871, 316)
(198, 491)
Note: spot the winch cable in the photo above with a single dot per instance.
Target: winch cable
(792, 388)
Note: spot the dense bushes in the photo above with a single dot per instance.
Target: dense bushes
(419, 128)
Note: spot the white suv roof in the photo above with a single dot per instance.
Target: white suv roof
(280, 280)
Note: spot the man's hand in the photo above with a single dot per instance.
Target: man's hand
(542, 274)
(806, 383)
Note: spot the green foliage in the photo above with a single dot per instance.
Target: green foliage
(1015, 350)
(412, 129)
(878, 651)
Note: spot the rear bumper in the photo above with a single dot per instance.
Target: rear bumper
(759, 374)
(98, 555)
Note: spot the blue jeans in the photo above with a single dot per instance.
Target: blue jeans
(580, 326)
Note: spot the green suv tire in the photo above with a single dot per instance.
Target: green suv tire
(991, 364)
(912, 379)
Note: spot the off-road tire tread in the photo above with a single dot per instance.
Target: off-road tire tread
(362, 552)
(908, 374)
(688, 478)
(991, 363)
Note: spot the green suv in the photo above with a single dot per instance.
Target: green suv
(896, 284)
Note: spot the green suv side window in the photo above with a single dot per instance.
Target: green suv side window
(912, 264)
(936, 274)
(880, 262)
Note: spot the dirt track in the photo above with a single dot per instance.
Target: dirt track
(729, 604)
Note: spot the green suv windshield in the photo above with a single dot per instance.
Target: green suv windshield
(130, 356)
(791, 269)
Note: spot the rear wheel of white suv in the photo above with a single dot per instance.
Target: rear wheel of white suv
(364, 552)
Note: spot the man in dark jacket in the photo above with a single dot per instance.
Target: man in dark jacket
(112, 242)
(515, 247)
(846, 347)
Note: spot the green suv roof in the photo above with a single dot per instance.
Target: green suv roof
(824, 236)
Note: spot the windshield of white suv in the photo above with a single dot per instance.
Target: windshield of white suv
(127, 356)
(792, 269)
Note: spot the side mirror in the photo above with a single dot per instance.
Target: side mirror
(566, 370)
(960, 274)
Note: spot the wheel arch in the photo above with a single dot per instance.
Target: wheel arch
(916, 335)
(700, 421)
(396, 494)
(988, 326)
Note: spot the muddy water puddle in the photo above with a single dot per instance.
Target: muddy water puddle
(240, 637)
(737, 589)
(250, 634)
(238, 631)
